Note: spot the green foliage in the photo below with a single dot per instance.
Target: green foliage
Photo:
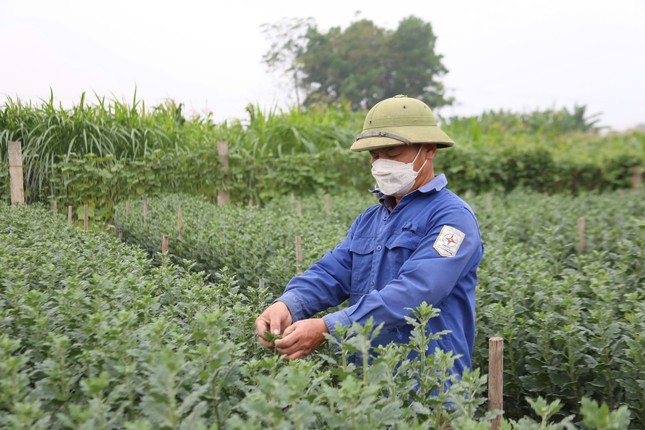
(109, 128)
(573, 322)
(96, 336)
(364, 64)
(548, 122)
(565, 314)
(253, 242)
(106, 153)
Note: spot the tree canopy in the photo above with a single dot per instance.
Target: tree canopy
(362, 64)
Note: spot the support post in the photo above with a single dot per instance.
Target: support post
(298, 255)
(179, 236)
(496, 379)
(223, 196)
(86, 218)
(69, 215)
(15, 174)
(582, 243)
(489, 201)
(145, 212)
(164, 244)
(637, 178)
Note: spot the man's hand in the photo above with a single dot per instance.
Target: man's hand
(275, 319)
(301, 338)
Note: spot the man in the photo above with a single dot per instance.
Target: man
(421, 243)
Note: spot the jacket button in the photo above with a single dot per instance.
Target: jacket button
(379, 247)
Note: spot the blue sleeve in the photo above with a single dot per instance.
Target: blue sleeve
(425, 276)
(325, 284)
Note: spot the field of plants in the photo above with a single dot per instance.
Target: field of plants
(99, 329)
(100, 334)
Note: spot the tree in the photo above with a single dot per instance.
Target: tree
(364, 63)
(288, 42)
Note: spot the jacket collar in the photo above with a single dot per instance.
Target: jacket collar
(436, 184)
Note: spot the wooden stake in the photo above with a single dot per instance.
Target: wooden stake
(582, 245)
(298, 208)
(54, 206)
(69, 215)
(86, 218)
(179, 236)
(489, 201)
(120, 234)
(223, 196)
(327, 203)
(145, 212)
(127, 209)
(637, 178)
(496, 378)
(15, 174)
(164, 244)
(298, 255)
(262, 283)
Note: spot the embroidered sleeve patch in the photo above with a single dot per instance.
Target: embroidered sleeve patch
(449, 241)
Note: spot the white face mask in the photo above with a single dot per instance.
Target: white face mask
(395, 178)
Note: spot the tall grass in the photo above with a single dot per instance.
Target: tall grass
(50, 133)
(491, 149)
(284, 132)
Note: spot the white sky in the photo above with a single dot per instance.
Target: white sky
(520, 55)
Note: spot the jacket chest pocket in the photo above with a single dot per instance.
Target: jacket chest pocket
(362, 249)
(400, 247)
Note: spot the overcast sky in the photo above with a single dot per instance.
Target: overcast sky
(518, 55)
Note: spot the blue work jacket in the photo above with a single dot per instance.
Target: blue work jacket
(426, 248)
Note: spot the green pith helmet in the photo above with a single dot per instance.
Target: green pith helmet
(397, 121)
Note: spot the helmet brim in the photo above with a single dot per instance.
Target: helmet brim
(416, 135)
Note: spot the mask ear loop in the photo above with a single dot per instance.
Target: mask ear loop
(415, 159)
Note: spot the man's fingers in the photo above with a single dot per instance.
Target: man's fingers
(289, 342)
(264, 342)
(290, 330)
(261, 325)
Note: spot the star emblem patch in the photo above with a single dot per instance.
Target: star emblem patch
(448, 241)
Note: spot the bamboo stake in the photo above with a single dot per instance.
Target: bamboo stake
(223, 196)
(298, 255)
(489, 201)
(582, 245)
(86, 219)
(145, 212)
(179, 236)
(69, 215)
(637, 178)
(496, 379)
(15, 173)
(164, 244)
